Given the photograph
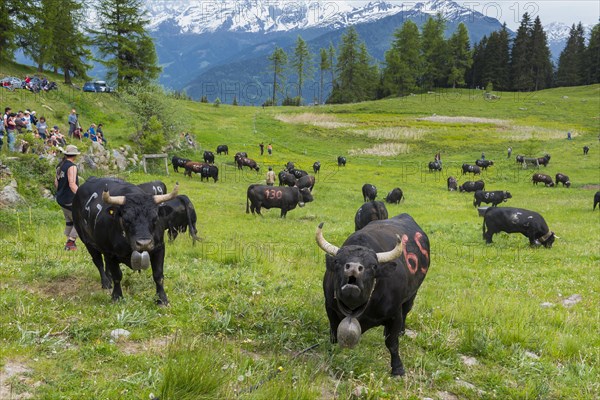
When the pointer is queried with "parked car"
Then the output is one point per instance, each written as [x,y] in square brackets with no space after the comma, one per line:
[89,87]
[11,83]
[97,86]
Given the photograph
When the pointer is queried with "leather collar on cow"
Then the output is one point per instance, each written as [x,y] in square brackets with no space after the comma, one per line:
[357,312]
[547,236]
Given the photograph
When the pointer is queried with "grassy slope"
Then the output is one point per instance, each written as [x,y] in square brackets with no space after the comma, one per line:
[248,297]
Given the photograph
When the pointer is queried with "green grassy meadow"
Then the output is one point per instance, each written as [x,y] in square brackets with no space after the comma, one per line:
[247,300]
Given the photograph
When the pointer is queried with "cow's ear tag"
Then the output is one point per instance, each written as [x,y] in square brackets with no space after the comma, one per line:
[111,211]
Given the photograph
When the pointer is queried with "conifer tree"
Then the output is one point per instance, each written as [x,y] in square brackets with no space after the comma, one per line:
[592,57]
[278,61]
[331,52]
[461,57]
[12,32]
[521,68]
[479,66]
[324,65]
[41,45]
[124,42]
[571,63]
[301,63]
[402,61]
[541,65]
[435,53]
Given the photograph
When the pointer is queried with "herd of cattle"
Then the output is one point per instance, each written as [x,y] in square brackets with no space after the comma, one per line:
[371,280]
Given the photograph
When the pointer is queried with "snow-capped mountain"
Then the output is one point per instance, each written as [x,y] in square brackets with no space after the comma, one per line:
[558,34]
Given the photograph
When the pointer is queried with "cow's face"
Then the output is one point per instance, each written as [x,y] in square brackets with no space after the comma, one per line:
[507,196]
[306,196]
[548,242]
[139,220]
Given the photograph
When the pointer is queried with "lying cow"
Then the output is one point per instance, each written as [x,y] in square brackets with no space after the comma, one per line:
[596,200]
[468,168]
[484,164]
[517,220]
[564,179]
[178,215]
[369,192]
[471,186]
[394,196]
[373,279]
[178,162]
[285,198]
[341,161]
[222,149]
[452,184]
[495,197]
[371,211]
[543,178]
[119,224]
[435,166]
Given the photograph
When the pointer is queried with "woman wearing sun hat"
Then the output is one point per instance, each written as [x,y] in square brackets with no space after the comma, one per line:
[66,183]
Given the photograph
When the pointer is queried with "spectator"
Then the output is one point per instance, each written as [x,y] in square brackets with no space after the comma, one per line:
[482,155]
[20,122]
[34,119]
[27,121]
[42,127]
[11,128]
[60,138]
[270,177]
[66,183]
[2,132]
[92,133]
[100,134]
[262,148]
[509,151]
[270,149]
[73,119]
[569,135]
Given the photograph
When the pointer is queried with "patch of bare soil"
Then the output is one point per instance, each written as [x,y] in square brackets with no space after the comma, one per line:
[383,150]
[591,187]
[321,120]
[65,287]
[14,371]
[393,133]
[155,345]
[464,120]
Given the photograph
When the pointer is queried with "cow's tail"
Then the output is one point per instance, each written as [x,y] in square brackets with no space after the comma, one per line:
[247,204]
[191,214]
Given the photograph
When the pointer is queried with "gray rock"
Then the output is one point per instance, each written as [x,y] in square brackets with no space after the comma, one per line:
[469,361]
[547,304]
[120,160]
[115,334]
[9,196]
[572,300]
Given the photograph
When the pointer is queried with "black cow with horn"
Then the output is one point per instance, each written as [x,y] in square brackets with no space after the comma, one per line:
[371,211]
[373,280]
[517,220]
[119,224]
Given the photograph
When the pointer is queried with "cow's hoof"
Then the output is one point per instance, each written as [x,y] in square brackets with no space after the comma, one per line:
[162,302]
[398,372]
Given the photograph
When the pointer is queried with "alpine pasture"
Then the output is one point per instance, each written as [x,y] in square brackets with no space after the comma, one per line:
[246,302]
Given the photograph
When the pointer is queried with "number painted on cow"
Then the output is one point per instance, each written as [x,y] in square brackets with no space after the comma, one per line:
[272,194]
[410,256]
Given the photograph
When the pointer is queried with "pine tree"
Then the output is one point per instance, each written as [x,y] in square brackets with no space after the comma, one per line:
[541,65]
[301,63]
[122,39]
[521,68]
[324,65]
[278,61]
[435,53]
[571,63]
[12,32]
[476,72]
[592,57]
[41,45]
[332,59]
[461,57]
[402,62]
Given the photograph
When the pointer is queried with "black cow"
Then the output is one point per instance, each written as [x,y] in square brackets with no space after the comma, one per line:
[435,166]
[298,173]
[395,196]
[307,181]
[316,167]
[585,150]
[209,157]
[286,179]
[120,222]
[154,187]
[470,186]
[209,171]
[289,166]
[178,162]
[484,164]
[452,184]
[177,215]
[371,211]
[517,220]
[285,198]
[520,159]
[222,149]
[474,169]
[341,160]
[247,162]
[369,192]
[564,179]
[544,160]
[545,179]
[239,155]
[373,279]
[495,197]
[596,200]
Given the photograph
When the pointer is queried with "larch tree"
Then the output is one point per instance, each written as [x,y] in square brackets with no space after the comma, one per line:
[301,63]
[278,61]
[324,65]
[402,61]
[435,53]
[461,57]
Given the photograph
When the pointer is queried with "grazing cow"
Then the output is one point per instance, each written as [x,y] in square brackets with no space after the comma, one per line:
[371,211]
[178,162]
[517,220]
[209,171]
[177,215]
[341,160]
[520,159]
[307,181]
[544,160]
[373,279]
[286,179]
[154,187]
[435,166]
[316,167]
[545,179]
[470,186]
[119,224]
[239,155]
[596,200]
[495,197]
[285,198]
[564,179]
[395,196]
[222,149]
[474,169]
[195,167]
[298,173]
[452,184]
[369,192]
[247,162]
[585,150]
[484,164]
[209,157]
[289,166]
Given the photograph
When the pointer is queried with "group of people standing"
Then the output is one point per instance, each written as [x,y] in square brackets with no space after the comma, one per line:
[262,148]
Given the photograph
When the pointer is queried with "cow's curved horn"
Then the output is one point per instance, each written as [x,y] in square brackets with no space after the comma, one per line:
[324,244]
[392,254]
[160,198]
[108,199]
